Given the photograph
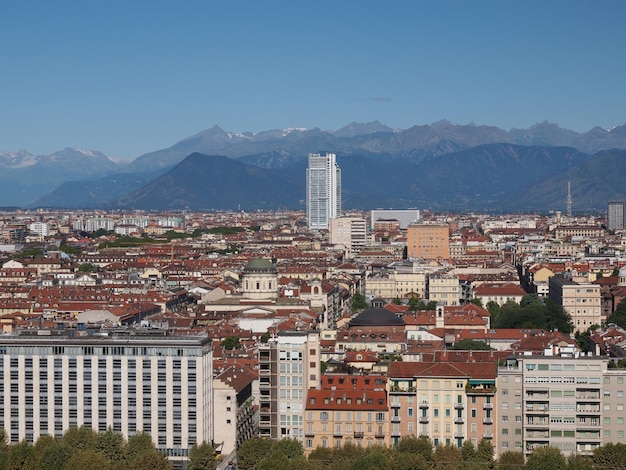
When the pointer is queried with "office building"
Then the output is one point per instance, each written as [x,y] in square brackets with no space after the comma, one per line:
[615,215]
[428,241]
[323,191]
[162,385]
[405,217]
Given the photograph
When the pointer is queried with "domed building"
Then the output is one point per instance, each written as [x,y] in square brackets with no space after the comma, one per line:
[259,279]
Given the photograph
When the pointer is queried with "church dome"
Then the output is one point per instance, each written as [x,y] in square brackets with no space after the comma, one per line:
[260,265]
[376,317]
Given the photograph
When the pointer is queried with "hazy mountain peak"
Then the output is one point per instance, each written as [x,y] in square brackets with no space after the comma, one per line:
[357,128]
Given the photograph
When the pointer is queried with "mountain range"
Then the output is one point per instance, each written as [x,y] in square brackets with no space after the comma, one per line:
[442,166]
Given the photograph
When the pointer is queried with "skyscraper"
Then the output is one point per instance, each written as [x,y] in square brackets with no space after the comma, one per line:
[615,215]
[323,190]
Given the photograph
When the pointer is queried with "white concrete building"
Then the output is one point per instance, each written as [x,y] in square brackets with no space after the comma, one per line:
[323,191]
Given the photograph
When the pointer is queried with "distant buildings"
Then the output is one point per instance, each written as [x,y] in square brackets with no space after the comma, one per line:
[404,216]
[615,215]
[581,300]
[323,191]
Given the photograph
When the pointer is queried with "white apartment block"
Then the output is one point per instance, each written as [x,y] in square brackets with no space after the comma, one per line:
[323,190]
[39,228]
[158,384]
[444,288]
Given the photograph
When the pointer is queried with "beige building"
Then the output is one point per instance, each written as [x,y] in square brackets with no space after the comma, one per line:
[428,241]
[349,233]
[582,301]
[449,402]
[444,288]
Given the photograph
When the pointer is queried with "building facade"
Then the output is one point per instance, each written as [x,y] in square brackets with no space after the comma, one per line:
[288,367]
[615,215]
[583,302]
[323,191]
[350,233]
[161,385]
[428,241]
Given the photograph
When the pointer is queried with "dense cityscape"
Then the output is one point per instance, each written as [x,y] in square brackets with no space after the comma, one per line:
[214,332]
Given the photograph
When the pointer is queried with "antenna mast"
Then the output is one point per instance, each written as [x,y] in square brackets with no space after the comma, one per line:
[569,201]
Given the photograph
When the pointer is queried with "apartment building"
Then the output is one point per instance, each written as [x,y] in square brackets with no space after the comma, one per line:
[428,241]
[574,404]
[158,384]
[444,288]
[347,409]
[582,301]
[288,368]
[447,402]
[349,233]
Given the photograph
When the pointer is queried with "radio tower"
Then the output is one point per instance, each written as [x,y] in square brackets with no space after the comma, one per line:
[569,202]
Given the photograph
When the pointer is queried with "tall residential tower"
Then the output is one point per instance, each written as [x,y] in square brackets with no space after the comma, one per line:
[323,190]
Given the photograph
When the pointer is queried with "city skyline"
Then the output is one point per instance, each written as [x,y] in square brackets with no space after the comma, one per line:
[129,79]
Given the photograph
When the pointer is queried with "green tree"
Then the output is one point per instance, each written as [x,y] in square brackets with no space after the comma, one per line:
[138,444]
[468,451]
[531,300]
[375,459]
[494,312]
[557,318]
[202,457]
[54,456]
[87,268]
[70,250]
[610,456]
[397,301]
[21,456]
[544,458]
[265,337]
[431,306]
[485,451]
[149,460]
[579,462]
[416,445]
[416,304]
[407,460]
[252,451]
[82,438]
[231,342]
[111,445]
[358,302]
[87,459]
[510,460]
[619,314]
[446,457]
[471,344]
[477,301]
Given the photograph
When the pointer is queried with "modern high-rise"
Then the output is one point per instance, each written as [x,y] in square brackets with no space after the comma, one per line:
[323,190]
[615,215]
[155,383]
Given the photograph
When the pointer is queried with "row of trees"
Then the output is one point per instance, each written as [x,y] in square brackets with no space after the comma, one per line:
[84,449]
[531,312]
[413,453]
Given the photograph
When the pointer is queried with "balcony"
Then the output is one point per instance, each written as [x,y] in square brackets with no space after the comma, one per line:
[487,406]
[395,419]
[395,404]
[487,421]
[423,419]
[358,434]
[488,435]
[459,420]
[424,405]
[309,434]
[338,434]
[459,435]
[379,435]
[459,406]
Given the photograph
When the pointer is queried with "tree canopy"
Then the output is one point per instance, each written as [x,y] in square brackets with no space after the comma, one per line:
[531,313]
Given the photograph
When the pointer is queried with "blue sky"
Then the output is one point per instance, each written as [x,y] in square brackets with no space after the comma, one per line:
[129,77]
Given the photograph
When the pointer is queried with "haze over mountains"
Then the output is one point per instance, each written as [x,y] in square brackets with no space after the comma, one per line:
[441,166]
